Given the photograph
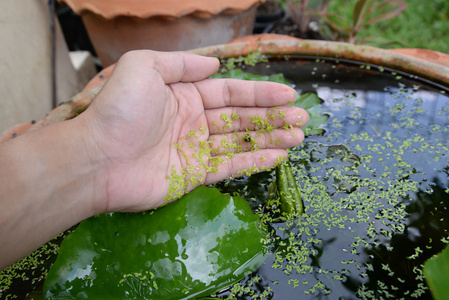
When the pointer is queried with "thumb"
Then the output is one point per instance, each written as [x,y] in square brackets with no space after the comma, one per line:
[172,66]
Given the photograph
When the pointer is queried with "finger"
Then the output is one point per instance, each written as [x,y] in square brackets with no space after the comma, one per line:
[231,119]
[238,142]
[218,93]
[172,66]
[247,163]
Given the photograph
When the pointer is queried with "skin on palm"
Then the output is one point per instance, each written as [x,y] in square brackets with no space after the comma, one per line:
[186,106]
[122,152]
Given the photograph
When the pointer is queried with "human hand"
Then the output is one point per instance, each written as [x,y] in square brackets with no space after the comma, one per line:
[161,128]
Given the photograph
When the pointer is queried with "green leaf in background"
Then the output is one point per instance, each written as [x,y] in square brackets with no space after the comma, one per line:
[312,104]
[436,272]
[192,247]
[359,12]
[309,101]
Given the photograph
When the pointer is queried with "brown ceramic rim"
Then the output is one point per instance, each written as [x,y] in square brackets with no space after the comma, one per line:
[276,47]
[435,69]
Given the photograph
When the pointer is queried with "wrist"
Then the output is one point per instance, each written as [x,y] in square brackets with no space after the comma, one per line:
[67,169]
[89,165]
[50,183]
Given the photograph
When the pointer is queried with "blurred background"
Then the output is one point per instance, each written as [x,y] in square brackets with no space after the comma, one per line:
[49,54]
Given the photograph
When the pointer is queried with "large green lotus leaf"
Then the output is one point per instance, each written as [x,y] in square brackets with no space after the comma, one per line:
[436,272]
[189,248]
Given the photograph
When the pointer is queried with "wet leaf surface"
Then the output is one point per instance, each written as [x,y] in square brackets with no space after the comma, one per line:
[191,247]
[436,271]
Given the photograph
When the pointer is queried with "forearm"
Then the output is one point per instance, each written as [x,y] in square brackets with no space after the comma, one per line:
[48,185]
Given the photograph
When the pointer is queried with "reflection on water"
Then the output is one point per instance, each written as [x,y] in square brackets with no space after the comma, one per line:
[375,186]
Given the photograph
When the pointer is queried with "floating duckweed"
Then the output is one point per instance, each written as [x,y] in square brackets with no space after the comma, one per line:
[228,121]
[248,60]
[191,133]
[366,187]
[178,185]
[245,172]
[372,185]
[17,279]
[192,175]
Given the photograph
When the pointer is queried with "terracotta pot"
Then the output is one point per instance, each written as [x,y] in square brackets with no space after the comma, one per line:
[427,64]
[117,26]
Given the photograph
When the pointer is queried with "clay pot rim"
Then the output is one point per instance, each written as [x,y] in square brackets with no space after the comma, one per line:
[170,9]
[427,64]
[435,69]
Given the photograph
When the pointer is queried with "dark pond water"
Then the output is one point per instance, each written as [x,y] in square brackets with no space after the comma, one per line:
[375,185]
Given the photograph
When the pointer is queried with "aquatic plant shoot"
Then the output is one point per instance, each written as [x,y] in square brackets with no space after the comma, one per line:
[374,185]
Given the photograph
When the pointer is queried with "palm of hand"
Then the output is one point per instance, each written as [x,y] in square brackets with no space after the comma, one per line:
[161,137]
[143,145]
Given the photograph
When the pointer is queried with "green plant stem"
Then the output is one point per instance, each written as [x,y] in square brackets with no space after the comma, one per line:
[290,196]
